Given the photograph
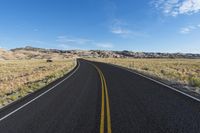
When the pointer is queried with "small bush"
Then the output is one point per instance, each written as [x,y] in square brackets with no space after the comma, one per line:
[194,81]
[145,68]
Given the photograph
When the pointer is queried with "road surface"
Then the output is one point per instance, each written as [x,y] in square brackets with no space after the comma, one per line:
[100,98]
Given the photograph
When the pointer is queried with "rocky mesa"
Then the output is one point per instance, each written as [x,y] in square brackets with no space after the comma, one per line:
[29,52]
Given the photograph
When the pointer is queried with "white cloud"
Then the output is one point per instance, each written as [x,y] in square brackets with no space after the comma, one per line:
[185,30]
[189,29]
[120,31]
[177,7]
[66,42]
[190,6]
[119,27]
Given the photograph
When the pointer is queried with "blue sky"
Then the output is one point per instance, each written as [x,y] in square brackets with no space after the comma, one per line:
[138,25]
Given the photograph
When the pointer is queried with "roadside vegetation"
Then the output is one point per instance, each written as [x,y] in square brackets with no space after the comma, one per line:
[183,71]
[21,77]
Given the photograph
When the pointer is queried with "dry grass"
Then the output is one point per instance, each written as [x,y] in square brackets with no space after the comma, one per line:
[21,77]
[184,71]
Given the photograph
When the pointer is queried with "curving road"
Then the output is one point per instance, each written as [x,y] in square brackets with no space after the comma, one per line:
[100,98]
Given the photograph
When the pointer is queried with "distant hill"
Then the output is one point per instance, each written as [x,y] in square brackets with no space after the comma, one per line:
[41,53]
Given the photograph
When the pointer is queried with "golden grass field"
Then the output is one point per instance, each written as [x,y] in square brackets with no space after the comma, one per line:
[21,77]
[184,71]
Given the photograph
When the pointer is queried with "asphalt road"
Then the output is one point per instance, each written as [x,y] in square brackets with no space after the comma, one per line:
[97,97]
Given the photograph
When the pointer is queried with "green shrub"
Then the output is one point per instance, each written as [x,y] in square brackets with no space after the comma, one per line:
[194,81]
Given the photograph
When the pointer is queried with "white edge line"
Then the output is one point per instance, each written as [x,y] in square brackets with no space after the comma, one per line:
[1,119]
[158,82]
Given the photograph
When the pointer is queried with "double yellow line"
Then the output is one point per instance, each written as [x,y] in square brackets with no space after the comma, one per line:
[104,100]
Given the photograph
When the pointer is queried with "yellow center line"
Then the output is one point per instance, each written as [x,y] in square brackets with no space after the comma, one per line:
[102,106]
[107,107]
[104,96]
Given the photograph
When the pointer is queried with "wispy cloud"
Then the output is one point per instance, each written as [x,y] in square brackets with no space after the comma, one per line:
[117,27]
[72,40]
[66,42]
[120,31]
[185,30]
[120,28]
[189,29]
[35,43]
[177,7]
[105,45]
